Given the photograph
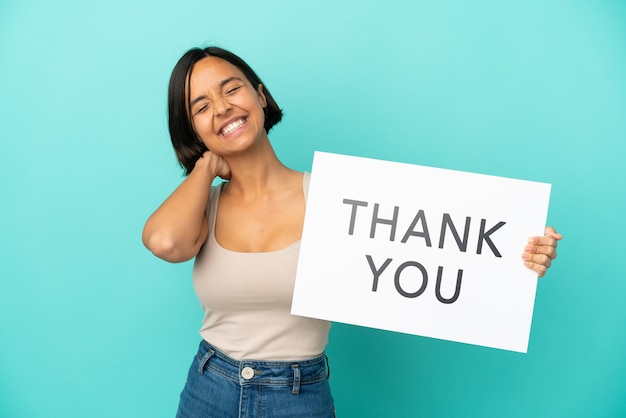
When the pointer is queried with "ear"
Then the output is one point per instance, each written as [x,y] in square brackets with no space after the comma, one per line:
[261,94]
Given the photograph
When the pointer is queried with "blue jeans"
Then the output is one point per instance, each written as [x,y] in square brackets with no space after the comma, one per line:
[221,387]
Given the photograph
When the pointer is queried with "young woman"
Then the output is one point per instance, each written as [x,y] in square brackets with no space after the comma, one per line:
[255,358]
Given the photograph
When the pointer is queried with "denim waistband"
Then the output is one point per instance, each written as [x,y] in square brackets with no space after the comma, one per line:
[270,373]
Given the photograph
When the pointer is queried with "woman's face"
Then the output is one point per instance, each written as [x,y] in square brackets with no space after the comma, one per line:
[226,110]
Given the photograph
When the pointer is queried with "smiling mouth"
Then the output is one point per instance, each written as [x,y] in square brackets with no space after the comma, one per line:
[232,127]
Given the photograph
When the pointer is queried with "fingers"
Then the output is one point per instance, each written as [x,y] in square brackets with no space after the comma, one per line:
[540,269]
[540,251]
[534,261]
[547,248]
[544,245]
[545,241]
[538,262]
[217,164]
[550,238]
[552,232]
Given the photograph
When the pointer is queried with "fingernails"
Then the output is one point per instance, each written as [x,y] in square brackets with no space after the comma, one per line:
[525,256]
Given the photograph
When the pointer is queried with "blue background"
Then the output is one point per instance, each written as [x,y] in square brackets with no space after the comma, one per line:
[92,325]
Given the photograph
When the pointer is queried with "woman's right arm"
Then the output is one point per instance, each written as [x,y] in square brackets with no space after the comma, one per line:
[178,228]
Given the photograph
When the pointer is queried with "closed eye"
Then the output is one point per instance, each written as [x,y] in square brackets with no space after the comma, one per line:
[233,90]
[202,109]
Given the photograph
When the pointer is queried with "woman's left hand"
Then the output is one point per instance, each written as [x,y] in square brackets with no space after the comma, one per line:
[540,251]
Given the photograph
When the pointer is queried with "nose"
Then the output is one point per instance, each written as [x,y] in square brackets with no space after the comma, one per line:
[221,106]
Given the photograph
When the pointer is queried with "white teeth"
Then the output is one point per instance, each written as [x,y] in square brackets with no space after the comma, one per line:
[232,126]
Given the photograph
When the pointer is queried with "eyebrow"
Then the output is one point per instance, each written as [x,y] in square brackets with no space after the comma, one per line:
[222,84]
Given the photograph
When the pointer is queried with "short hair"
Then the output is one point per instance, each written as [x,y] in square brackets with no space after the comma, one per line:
[187,145]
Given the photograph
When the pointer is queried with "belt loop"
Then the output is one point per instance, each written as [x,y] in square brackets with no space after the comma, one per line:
[204,360]
[327,367]
[296,379]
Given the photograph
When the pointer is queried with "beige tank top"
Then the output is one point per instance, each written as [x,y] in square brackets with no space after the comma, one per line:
[246,298]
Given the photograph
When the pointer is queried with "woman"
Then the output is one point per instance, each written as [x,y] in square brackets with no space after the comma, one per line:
[245,235]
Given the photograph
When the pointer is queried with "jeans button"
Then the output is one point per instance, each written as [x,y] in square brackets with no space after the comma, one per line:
[247,373]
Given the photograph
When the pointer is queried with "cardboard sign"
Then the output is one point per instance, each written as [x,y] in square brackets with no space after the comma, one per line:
[419,250]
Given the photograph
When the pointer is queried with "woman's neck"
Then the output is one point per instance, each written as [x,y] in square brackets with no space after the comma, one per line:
[257,173]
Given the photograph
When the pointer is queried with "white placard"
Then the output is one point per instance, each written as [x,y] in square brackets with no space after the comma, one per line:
[419,250]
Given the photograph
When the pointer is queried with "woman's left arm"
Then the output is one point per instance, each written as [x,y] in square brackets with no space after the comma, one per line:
[540,251]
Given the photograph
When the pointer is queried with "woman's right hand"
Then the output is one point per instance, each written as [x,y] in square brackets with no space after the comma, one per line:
[216,165]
